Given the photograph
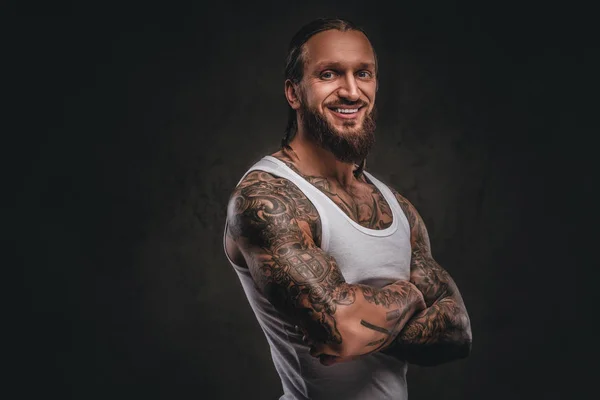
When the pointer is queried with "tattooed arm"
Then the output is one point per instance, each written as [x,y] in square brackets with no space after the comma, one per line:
[442,332]
[269,220]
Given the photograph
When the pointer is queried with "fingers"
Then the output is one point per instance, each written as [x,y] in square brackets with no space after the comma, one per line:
[317,350]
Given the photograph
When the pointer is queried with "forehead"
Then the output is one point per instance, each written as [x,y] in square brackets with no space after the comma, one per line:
[350,47]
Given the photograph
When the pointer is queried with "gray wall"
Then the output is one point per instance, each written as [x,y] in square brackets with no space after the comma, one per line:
[140,119]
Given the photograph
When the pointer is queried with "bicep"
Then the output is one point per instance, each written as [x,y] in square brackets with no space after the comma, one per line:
[434,282]
[425,273]
[296,276]
[286,266]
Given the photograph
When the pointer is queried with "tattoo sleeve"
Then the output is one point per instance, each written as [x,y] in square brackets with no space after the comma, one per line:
[271,221]
[441,332]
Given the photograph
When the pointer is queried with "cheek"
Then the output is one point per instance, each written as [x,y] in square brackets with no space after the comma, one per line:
[321,94]
[370,91]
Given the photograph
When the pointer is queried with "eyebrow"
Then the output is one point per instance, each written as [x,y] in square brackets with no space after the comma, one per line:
[337,65]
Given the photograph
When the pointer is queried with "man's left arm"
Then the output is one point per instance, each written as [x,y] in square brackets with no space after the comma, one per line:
[442,332]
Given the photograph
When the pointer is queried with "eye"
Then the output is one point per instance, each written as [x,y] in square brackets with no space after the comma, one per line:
[365,74]
[327,75]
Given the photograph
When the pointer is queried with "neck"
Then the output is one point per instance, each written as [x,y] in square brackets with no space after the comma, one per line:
[313,160]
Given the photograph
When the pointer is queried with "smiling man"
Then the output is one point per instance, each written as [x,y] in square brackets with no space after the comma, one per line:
[337,266]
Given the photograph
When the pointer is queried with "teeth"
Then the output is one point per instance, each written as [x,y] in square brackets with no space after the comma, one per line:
[346,110]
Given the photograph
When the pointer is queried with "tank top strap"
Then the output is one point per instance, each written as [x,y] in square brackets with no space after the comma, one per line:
[391,200]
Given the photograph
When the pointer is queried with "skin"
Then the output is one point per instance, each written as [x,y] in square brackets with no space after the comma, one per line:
[441,332]
[274,230]
[339,70]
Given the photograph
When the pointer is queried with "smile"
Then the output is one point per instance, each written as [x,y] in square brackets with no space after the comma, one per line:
[345,113]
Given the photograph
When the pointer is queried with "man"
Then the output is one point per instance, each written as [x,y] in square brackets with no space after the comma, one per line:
[336,266]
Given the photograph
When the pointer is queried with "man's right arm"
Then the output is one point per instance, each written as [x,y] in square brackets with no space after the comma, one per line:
[266,218]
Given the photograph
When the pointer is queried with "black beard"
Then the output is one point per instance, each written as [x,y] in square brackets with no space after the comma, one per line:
[351,147]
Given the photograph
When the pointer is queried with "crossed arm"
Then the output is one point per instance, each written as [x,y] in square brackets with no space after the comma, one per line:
[442,331]
[269,219]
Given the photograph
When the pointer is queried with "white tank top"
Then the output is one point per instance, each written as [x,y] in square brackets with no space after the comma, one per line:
[367,256]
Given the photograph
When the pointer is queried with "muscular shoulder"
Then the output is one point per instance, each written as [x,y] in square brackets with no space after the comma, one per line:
[407,207]
[419,238]
[270,198]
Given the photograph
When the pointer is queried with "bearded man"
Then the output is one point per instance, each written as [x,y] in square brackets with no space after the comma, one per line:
[337,266]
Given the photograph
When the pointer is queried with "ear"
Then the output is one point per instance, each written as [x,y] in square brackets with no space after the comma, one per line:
[292,94]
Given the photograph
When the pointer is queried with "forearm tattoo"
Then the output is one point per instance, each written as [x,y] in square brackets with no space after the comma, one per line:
[445,320]
[401,296]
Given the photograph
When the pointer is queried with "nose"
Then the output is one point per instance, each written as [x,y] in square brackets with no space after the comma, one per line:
[349,88]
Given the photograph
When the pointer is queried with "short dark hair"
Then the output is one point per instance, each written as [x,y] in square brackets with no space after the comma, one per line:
[295,60]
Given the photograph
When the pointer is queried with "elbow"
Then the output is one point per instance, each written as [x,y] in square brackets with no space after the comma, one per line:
[463,342]
[467,346]
[467,334]
[464,338]
[461,329]
[455,347]
[464,349]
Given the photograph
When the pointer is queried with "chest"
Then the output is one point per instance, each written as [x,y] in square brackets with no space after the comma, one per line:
[363,202]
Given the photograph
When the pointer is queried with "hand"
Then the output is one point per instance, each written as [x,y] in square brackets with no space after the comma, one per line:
[327,359]
[324,359]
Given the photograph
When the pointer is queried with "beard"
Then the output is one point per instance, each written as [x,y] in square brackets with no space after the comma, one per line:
[348,146]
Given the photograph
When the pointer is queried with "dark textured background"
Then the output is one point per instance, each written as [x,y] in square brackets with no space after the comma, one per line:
[134,121]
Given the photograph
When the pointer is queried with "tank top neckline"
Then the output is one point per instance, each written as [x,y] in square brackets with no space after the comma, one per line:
[372,232]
